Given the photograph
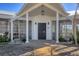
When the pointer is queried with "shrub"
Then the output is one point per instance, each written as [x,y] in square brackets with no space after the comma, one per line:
[61,39]
[4,38]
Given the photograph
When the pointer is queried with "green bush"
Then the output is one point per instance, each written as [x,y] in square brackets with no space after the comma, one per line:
[61,39]
[4,39]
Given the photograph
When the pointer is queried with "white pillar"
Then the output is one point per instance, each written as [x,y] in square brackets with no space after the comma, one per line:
[12,30]
[57,27]
[8,28]
[27,24]
[19,30]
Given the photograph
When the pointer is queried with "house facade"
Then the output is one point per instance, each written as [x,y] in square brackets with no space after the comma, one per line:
[37,21]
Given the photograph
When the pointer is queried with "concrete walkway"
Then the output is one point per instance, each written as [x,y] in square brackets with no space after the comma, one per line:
[28,48]
[20,49]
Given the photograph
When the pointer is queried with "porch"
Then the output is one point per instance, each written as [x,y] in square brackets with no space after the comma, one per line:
[19,30]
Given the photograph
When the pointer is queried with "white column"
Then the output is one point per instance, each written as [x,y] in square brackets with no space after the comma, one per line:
[57,27]
[27,24]
[8,28]
[12,30]
[19,30]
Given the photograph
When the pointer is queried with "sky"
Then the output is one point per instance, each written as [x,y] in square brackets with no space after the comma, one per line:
[69,6]
[12,7]
[15,7]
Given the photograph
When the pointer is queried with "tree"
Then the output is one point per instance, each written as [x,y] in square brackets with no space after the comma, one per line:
[74,25]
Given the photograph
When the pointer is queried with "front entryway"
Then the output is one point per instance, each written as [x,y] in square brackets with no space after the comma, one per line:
[41,31]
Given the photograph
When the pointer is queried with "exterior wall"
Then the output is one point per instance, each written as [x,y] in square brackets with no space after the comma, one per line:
[3,26]
[33,28]
[41,19]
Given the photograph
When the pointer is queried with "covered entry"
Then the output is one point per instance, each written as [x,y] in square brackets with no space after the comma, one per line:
[42,16]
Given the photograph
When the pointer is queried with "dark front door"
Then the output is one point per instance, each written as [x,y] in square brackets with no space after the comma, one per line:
[42,31]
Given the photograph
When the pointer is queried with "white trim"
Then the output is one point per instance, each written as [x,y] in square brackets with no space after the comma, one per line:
[24,5]
[54,9]
[32,8]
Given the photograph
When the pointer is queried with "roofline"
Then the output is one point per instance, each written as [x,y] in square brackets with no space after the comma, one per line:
[7,12]
[64,9]
[24,5]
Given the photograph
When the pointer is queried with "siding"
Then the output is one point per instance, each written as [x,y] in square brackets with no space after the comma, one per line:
[3,26]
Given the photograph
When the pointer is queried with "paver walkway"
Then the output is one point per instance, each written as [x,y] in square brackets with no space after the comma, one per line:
[26,49]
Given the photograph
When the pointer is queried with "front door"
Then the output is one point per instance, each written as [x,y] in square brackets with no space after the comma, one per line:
[42,31]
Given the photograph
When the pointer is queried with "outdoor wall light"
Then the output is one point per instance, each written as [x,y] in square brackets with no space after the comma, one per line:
[35,23]
[48,23]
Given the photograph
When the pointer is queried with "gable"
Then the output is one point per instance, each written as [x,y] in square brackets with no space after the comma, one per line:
[53,6]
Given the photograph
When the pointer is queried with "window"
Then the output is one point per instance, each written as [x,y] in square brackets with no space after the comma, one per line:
[67,29]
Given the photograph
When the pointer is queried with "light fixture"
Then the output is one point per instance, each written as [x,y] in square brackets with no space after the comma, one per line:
[48,23]
[35,23]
